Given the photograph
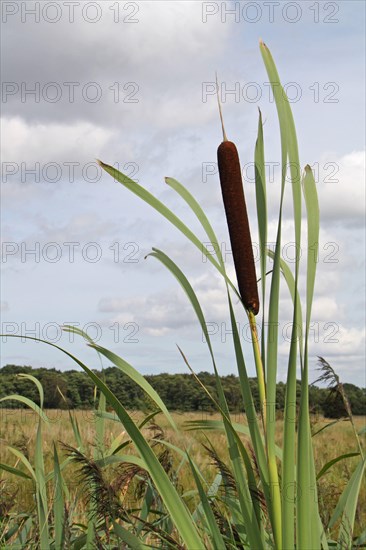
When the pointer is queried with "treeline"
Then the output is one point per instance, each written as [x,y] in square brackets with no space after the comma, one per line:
[74,389]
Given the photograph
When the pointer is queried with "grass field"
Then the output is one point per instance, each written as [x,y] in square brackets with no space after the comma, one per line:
[19,427]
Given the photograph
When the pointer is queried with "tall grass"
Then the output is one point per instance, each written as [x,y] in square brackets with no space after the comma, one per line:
[262,495]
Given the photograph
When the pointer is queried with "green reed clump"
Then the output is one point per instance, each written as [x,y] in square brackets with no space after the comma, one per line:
[262,495]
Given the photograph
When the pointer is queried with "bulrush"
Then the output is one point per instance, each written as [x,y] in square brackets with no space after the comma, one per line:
[237,220]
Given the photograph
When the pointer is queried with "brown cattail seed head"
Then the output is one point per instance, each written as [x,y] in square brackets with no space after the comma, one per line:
[238,224]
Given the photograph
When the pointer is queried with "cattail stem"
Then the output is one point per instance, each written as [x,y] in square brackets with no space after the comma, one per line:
[259,369]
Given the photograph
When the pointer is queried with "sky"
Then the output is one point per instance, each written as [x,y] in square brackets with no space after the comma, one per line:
[132,84]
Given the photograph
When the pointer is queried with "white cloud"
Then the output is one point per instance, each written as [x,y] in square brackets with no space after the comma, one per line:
[167,53]
[342,197]
[170,310]
[51,142]
[326,308]
[344,348]
[156,314]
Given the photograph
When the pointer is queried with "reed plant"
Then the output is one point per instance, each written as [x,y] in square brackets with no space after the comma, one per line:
[263,496]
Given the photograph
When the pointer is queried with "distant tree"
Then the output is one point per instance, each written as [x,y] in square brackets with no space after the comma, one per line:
[333,406]
[51,382]
[356,397]
[178,391]
[15,369]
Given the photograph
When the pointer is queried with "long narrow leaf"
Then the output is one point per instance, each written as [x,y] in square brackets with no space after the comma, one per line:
[164,211]
[129,538]
[307,514]
[26,401]
[37,383]
[201,216]
[346,506]
[177,509]
[261,202]
[41,491]
[14,471]
[58,503]
[236,449]
[331,463]
[136,377]
[216,537]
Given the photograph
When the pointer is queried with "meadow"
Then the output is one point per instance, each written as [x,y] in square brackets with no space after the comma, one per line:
[19,430]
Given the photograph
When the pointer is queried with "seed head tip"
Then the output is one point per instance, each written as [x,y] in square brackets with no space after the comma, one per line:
[220,110]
